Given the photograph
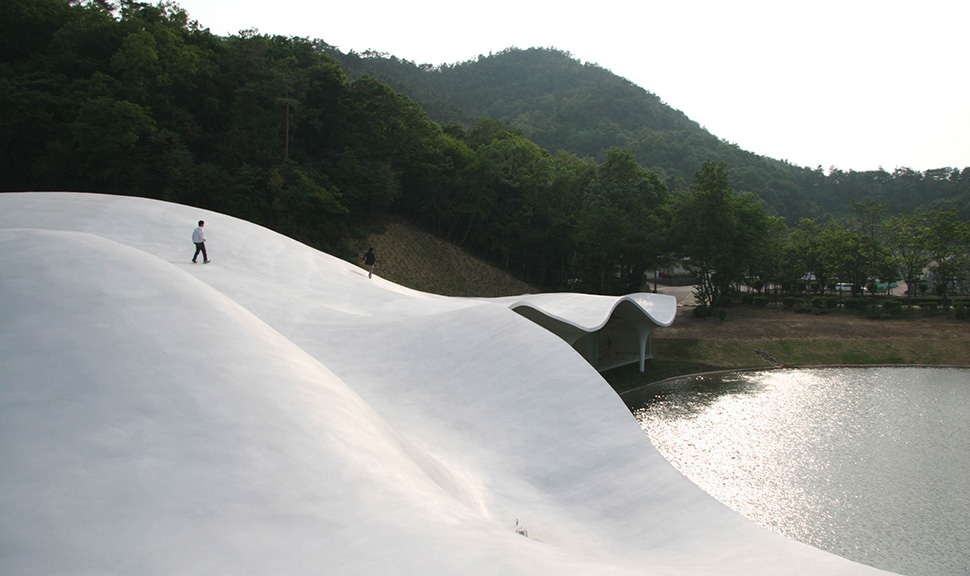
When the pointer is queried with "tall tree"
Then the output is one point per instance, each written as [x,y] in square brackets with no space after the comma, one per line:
[905,242]
[624,221]
[867,221]
[947,243]
[719,232]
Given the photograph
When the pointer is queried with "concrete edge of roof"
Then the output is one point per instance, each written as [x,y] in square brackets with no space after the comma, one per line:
[666,303]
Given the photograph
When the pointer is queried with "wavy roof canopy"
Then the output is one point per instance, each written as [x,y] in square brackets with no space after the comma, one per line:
[584,320]
[279,412]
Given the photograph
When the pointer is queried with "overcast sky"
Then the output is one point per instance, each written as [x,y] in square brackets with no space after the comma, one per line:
[855,84]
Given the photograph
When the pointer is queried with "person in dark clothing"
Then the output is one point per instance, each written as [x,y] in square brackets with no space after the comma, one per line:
[369,260]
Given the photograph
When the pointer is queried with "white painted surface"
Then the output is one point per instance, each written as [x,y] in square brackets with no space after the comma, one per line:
[590,312]
[277,412]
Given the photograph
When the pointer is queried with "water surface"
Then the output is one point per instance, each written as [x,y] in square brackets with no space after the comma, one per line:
[872,464]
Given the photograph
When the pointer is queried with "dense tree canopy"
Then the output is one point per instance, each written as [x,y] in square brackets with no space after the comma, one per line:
[720,232]
[564,104]
[134,98]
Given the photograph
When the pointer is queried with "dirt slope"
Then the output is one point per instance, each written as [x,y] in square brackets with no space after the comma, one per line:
[746,323]
[413,258]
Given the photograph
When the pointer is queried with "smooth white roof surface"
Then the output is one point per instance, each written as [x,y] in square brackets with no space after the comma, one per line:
[277,412]
[590,312]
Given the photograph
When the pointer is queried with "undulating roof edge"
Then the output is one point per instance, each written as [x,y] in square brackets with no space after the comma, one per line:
[590,312]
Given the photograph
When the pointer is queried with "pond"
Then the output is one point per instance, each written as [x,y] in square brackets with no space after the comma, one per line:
[872,464]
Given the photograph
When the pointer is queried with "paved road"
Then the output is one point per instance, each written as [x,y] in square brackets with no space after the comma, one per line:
[684,294]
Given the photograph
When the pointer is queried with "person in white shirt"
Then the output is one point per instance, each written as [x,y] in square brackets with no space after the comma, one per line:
[198,237]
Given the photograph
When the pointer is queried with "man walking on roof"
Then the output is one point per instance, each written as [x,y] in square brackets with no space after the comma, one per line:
[369,260]
[198,237]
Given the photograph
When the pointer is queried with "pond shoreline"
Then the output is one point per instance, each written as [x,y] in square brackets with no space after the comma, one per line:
[753,338]
[799,367]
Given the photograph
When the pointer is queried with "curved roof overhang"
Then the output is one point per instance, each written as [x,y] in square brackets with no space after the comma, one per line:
[572,316]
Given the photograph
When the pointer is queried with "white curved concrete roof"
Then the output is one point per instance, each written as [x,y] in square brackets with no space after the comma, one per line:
[277,412]
[590,312]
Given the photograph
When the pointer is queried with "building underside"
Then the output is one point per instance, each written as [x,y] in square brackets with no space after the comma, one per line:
[608,331]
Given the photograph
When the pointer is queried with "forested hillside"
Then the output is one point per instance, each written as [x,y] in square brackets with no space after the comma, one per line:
[555,171]
[563,104]
[558,102]
[137,99]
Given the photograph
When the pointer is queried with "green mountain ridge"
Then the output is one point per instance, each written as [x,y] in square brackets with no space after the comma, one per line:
[561,103]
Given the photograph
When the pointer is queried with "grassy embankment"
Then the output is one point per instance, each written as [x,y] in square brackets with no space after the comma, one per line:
[413,258]
[778,337]
[748,338]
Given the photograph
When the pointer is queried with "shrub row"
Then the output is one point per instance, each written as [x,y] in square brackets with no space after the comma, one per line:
[818,304]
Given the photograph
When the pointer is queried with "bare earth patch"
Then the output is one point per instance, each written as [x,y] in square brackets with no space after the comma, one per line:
[756,338]
[771,323]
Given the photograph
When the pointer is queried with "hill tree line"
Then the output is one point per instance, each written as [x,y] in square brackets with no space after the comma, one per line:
[138,99]
[561,103]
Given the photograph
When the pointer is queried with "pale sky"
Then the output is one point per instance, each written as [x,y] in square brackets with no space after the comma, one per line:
[856,84]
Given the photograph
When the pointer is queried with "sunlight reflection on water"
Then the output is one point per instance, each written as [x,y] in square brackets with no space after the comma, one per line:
[870,463]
